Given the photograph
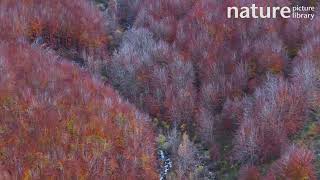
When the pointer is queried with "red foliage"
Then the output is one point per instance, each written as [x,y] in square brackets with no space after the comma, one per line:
[229,89]
[249,173]
[230,59]
[56,121]
[223,63]
[296,163]
[183,62]
[72,23]
[211,39]
[161,17]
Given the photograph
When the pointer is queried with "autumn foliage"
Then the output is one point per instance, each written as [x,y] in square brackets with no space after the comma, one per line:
[228,93]
[276,112]
[59,122]
[143,71]
[69,24]
[296,163]
[249,173]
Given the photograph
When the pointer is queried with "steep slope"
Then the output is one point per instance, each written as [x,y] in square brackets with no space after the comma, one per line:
[57,121]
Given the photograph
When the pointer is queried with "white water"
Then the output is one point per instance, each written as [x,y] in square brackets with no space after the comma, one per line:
[165,164]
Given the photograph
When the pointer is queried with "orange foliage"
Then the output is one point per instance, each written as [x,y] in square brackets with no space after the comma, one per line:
[56,121]
[295,164]
[72,23]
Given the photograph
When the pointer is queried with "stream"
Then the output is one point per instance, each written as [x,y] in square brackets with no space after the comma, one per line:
[165,164]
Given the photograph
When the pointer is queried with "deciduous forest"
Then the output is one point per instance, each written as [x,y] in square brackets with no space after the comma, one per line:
[157,89]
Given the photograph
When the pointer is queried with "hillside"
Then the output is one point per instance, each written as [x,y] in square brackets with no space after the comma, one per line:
[149,89]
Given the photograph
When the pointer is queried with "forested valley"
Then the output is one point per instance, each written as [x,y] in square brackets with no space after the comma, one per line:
[157,89]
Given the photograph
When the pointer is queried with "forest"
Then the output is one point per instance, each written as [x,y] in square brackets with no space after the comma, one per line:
[158,89]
